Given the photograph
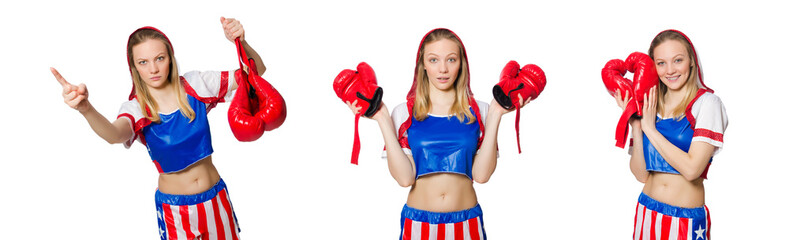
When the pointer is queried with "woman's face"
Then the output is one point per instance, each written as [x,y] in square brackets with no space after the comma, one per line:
[442,62]
[152,62]
[673,64]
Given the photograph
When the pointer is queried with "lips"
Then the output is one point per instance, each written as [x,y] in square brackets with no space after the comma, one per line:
[443,79]
[156,78]
[674,78]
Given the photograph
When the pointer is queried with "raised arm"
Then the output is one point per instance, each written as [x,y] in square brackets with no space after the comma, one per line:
[637,165]
[233,29]
[76,97]
[401,165]
[689,164]
[485,160]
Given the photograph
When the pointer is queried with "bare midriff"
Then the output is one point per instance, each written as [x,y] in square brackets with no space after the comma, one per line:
[194,179]
[675,190]
[442,192]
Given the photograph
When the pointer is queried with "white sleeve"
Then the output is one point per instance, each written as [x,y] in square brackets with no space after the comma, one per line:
[132,111]
[483,111]
[399,115]
[711,120]
[210,87]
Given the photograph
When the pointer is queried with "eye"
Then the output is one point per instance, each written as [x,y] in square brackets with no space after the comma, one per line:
[160,58]
[452,60]
[142,62]
[660,63]
[432,60]
[678,60]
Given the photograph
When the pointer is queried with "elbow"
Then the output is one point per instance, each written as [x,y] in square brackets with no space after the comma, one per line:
[693,172]
[642,178]
[113,140]
[640,174]
[405,182]
[482,180]
[692,176]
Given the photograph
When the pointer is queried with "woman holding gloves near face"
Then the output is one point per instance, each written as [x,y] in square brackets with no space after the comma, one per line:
[673,143]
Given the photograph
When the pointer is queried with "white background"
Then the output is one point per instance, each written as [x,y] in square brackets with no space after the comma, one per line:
[62,181]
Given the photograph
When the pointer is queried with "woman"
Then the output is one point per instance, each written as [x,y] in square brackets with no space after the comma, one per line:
[167,113]
[673,143]
[439,141]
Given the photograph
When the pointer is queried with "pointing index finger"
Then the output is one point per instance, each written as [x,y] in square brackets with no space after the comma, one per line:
[60,78]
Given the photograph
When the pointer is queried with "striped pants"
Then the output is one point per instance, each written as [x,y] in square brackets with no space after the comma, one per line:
[659,221]
[418,224]
[208,215]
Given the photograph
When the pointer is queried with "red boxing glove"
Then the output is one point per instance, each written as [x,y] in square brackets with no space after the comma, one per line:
[361,85]
[243,123]
[257,106]
[528,82]
[272,109]
[645,77]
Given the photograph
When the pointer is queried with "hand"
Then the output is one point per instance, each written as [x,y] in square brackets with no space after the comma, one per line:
[622,103]
[75,97]
[354,109]
[649,110]
[382,111]
[233,29]
[496,108]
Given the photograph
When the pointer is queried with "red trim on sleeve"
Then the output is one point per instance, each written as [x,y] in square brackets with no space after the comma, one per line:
[223,82]
[137,126]
[689,112]
[701,132]
[209,101]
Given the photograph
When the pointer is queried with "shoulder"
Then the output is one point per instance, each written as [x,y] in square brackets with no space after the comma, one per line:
[131,109]
[708,98]
[707,102]
[399,115]
[483,106]
[400,110]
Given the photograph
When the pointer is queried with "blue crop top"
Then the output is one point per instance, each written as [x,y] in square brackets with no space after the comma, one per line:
[705,120]
[443,144]
[680,133]
[175,143]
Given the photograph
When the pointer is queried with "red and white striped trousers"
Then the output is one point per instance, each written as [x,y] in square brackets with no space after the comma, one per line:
[659,221]
[207,216]
[424,225]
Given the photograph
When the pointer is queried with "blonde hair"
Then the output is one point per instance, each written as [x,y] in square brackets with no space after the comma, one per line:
[693,88]
[141,89]
[460,107]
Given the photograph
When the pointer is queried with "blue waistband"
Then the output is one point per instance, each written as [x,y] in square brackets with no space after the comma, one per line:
[438,218]
[665,209]
[180,200]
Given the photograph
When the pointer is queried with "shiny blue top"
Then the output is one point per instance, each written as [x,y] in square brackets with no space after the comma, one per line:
[175,143]
[679,133]
[443,144]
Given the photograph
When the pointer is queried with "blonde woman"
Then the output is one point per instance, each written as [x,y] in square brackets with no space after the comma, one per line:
[439,142]
[673,144]
[166,112]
